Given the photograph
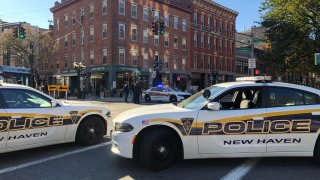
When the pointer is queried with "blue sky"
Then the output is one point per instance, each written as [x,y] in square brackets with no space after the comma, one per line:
[37,12]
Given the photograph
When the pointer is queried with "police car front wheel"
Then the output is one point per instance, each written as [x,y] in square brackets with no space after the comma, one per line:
[90,131]
[158,150]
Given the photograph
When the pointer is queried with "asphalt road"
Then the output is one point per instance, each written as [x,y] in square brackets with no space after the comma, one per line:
[70,161]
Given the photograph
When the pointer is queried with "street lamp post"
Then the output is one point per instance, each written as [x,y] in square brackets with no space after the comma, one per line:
[79,67]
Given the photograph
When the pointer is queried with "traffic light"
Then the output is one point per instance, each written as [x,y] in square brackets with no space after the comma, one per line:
[22,33]
[257,72]
[162,31]
[155,28]
[15,32]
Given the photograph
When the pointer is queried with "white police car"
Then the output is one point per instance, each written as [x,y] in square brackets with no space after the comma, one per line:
[253,117]
[164,94]
[30,118]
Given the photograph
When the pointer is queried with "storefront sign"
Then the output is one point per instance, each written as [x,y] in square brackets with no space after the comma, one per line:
[14,69]
[124,68]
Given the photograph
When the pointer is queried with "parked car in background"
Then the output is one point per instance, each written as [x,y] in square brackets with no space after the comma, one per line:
[164,94]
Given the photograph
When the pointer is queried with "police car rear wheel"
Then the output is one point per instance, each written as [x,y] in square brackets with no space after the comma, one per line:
[147,98]
[158,150]
[90,131]
[173,99]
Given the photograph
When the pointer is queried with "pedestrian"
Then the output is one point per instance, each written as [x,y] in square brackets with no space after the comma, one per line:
[45,88]
[137,93]
[125,91]
[97,91]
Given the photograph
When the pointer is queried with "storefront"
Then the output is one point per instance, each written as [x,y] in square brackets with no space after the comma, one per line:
[13,74]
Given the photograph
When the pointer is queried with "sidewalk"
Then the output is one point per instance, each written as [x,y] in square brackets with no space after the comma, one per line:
[108,99]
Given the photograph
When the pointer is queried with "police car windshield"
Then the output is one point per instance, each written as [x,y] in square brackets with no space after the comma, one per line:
[197,99]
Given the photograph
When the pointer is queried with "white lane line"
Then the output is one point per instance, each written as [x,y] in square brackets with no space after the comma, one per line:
[32,163]
[240,171]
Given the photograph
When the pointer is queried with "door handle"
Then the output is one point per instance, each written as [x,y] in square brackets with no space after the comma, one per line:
[16,117]
[258,118]
[315,113]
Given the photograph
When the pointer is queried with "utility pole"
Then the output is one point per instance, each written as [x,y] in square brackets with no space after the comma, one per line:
[252,54]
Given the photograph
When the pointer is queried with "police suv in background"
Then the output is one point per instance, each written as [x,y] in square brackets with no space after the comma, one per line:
[253,117]
[30,118]
[164,94]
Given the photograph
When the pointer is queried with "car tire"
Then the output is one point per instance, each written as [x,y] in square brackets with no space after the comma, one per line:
[173,99]
[158,150]
[147,98]
[316,153]
[90,131]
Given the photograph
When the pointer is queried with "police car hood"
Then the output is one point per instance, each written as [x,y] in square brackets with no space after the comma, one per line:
[148,110]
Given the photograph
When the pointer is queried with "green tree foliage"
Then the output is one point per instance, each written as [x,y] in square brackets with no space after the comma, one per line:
[294,34]
[35,49]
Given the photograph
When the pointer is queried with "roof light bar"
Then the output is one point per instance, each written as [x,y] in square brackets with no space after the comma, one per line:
[254,78]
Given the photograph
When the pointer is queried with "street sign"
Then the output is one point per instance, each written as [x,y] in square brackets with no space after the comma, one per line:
[52,87]
[154,74]
[317,59]
[63,88]
[252,63]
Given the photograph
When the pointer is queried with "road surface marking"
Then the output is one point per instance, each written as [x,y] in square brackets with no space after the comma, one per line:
[240,171]
[32,163]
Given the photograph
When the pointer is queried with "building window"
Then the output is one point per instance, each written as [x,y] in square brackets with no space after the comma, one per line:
[65,61]
[122,6]
[215,25]
[134,34]
[202,40]
[134,11]
[176,22]
[66,20]
[122,31]
[195,39]
[184,44]
[195,18]
[226,28]
[214,62]
[82,15]
[104,31]
[73,38]
[146,59]
[91,11]
[220,63]
[215,44]
[175,42]
[202,21]
[209,62]
[166,61]
[156,40]
[146,14]
[231,47]
[226,46]
[104,55]
[166,20]
[145,36]
[231,30]
[195,62]
[175,63]
[209,42]
[184,63]
[66,41]
[134,59]
[156,15]
[184,25]
[209,23]
[57,24]
[122,56]
[104,6]
[166,40]
[91,57]
[221,27]
[220,45]
[202,60]
[226,64]
[91,34]
[73,17]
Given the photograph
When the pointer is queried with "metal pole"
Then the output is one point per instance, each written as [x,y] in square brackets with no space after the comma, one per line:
[252,54]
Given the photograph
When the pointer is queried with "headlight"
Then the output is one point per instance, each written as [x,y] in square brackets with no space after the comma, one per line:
[123,127]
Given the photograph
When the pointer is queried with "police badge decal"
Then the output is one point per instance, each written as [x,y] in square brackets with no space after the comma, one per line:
[74,116]
[187,124]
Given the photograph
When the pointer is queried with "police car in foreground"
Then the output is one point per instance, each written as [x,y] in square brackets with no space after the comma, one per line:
[30,118]
[164,94]
[253,117]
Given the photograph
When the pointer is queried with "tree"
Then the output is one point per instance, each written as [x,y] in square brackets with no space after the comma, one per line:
[35,49]
[293,31]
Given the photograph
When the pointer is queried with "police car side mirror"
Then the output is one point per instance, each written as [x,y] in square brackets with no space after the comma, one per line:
[214,106]
[54,103]
[206,93]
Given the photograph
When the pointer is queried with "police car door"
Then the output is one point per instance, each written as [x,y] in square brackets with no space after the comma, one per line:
[154,94]
[3,127]
[238,126]
[293,117]
[32,119]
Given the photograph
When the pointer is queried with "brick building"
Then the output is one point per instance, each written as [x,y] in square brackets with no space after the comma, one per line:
[119,45]
[213,42]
